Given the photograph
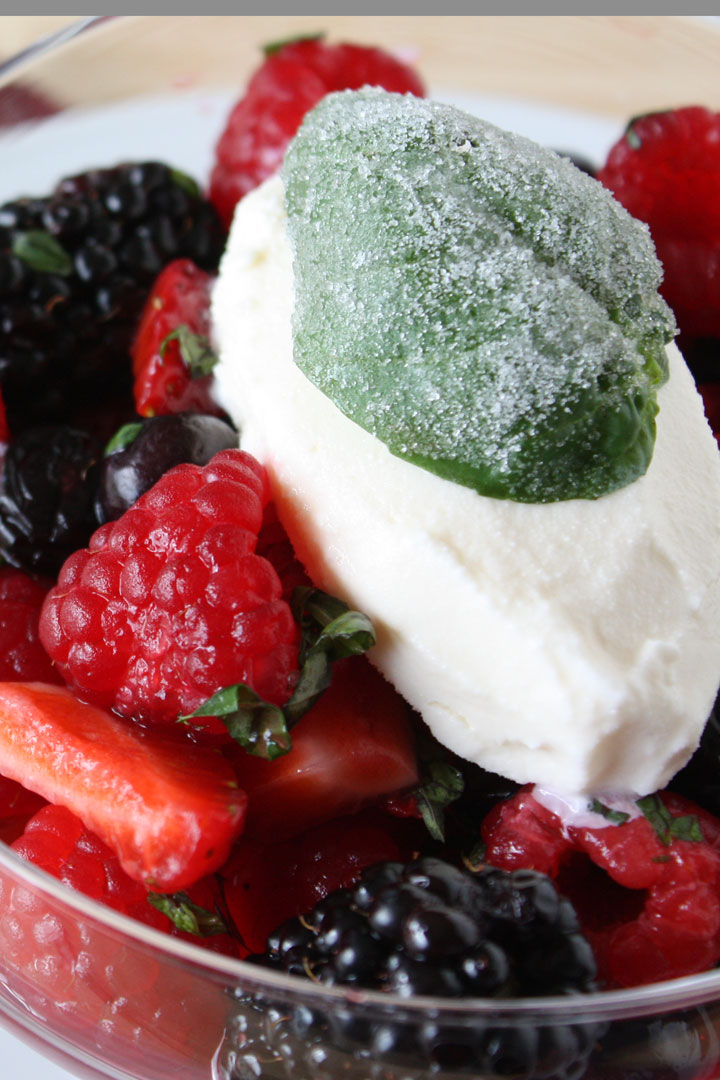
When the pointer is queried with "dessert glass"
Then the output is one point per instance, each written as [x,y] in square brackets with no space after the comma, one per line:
[109,997]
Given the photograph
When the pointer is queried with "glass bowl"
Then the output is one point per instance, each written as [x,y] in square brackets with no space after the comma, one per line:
[110,997]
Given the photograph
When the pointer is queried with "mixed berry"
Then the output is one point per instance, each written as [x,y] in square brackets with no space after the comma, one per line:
[160,636]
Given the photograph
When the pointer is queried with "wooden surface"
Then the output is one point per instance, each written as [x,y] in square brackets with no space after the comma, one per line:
[610,64]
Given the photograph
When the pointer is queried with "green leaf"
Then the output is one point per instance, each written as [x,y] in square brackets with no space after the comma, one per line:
[486,332]
[186,915]
[275,46]
[189,186]
[195,349]
[330,631]
[123,437]
[617,817]
[41,251]
[442,785]
[258,726]
[475,858]
[328,625]
[667,827]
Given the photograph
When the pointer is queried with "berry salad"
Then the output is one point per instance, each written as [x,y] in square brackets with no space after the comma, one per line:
[360,537]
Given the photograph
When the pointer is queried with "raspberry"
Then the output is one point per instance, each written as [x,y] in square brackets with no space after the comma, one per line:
[289,83]
[17,805]
[666,171]
[58,842]
[267,883]
[167,380]
[22,657]
[76,976]
[169,604]
[648,903]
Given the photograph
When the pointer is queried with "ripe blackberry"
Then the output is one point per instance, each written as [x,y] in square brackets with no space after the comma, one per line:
[47,495]
[423,928]
[75,269]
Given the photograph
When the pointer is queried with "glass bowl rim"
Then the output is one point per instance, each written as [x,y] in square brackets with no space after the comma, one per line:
[673,994]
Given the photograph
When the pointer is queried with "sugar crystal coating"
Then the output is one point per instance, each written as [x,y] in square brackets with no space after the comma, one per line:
[474,301]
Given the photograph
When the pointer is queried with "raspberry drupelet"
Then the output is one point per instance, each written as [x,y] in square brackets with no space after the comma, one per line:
[170,603]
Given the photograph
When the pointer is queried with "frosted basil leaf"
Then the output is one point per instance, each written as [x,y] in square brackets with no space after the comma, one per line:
[473,300]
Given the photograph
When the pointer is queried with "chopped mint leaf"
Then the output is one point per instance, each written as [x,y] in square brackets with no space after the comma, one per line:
[328,625]
[275,46]
[41,251]
[189,186]
[258,726]
[196,351]
[187,916]
[123,437]
[330,631]
[442,785]
[617,817]
[503,327]
[475,858]
[667,827]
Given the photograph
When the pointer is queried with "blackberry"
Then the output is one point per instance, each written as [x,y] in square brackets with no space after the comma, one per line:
[425,928]
[75,269]
[149,449]
[47,495]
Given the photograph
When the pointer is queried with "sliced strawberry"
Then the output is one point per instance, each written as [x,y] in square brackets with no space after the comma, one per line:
[265,884]
[354,746]
[170,812]
[168,376]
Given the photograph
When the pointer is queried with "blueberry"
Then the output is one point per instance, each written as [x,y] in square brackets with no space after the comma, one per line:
[160,443]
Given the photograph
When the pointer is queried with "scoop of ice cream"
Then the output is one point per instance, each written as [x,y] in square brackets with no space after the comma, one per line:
[574,644]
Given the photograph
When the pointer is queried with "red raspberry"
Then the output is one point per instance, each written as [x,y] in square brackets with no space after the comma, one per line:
[76,975]
[289,83]
[170,604]
[265,884]
[666,171]
[651,908]
[165,382]
[22,657]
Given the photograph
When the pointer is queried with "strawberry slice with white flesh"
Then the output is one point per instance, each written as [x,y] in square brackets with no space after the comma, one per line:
[170,811]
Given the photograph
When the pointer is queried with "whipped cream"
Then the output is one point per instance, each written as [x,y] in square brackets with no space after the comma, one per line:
[575,645]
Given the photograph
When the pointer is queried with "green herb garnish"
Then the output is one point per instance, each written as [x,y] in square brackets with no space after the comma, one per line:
[124,436]
[187,916]
[41,251]
[330,631]
[617,817]
[195,349]
[667,827]
[472,300]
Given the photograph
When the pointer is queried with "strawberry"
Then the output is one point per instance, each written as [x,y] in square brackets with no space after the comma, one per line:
[292,79]
[170,812]
[172,373]
[354,746]
[666,171]
[646,889]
